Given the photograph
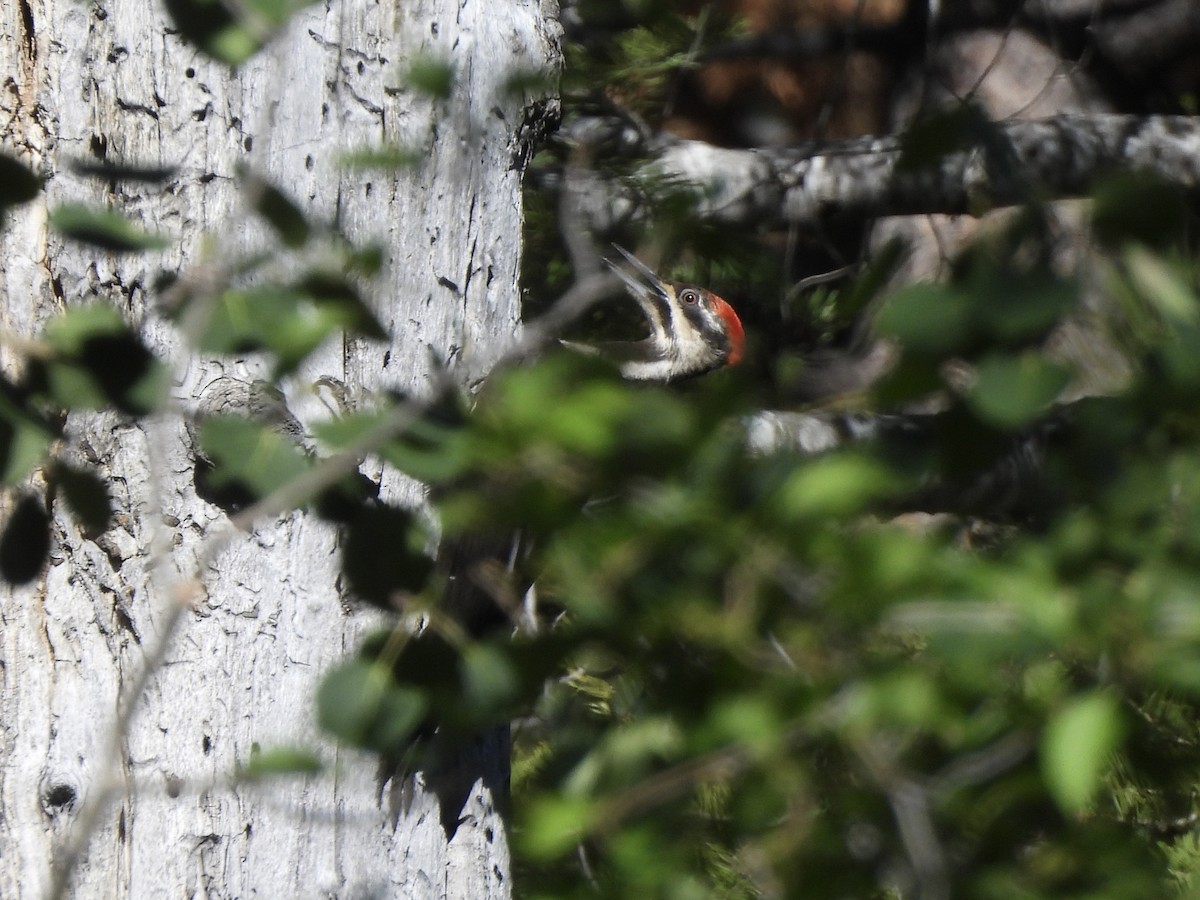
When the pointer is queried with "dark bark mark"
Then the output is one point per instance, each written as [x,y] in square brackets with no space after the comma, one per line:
[126,106]
[58,797]
[539,120]
[125,622]
[27,26]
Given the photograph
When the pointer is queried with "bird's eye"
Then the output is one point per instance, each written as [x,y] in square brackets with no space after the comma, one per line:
[690,296]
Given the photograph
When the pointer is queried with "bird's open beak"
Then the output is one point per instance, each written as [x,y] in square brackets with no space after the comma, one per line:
[639,278]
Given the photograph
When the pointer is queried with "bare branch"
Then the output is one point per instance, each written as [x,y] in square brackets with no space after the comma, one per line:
[1049,158]
[912,809]
[1011,484]
[109,782]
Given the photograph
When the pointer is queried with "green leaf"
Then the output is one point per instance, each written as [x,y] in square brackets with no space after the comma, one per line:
[627,753]
[1010,391]
[430,449]
[245,320]
[130,376]
[25,542]
[432,77]
[102,362]
[554,826]
[86,496]
[903,698]
[104,229]
[928,141]
[335,290]
[27,442]
[927,318]
[17,184]
[591,419]
[284,216]
[881,269]
[280,761]
[212,26]
[748,718]
[430,462]
[118,171]
[25,436]
[490,678]
[250,454]
[234,45]
[271,318]
[338,434]
[537,82]
[271,13]
[205,24]
[1017,308]
[833,486]
[913,377]
[366,260]
[287,321]
[361,704]
[383,556]
[383,158]
[349,699]
[1138,206]
[1077,746]
[1163,285]
[69,332]
[70,387]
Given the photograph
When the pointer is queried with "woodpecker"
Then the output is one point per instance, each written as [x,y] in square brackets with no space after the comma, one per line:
[692,330]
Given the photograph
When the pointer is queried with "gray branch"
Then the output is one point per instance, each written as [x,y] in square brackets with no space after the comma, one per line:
[865,177]
[1009,482]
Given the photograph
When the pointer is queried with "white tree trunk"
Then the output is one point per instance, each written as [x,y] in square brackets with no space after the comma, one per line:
[80,79]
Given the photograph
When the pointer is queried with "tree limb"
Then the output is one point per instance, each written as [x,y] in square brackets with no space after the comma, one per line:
[1011,162]
[1008,480]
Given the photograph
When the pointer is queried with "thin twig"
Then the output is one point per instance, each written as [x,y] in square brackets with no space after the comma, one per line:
[102,794]
[910,803]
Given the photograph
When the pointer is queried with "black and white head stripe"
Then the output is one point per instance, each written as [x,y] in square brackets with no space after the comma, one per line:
[692,330]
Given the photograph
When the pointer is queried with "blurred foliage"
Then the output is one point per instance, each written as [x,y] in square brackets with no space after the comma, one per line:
[231,33]
[766,687]
[432,77]
[284,304]
[769,687]
[17,184]
[104,229]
